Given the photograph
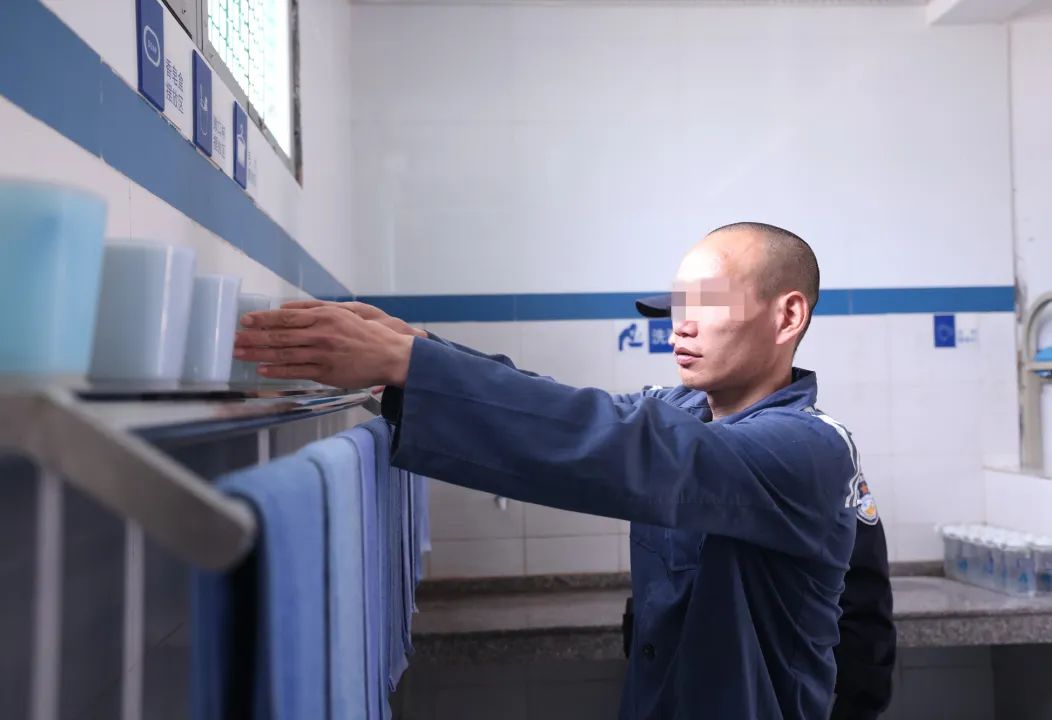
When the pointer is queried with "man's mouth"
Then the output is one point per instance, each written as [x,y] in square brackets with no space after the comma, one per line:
[685,357]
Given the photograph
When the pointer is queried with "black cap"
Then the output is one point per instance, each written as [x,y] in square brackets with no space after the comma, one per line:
[655,306]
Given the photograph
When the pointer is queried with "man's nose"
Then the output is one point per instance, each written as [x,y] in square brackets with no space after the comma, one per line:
[685,328]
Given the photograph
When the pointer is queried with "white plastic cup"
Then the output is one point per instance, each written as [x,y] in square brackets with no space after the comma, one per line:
[241,372]
[210,339]
[144,312]
[51,241]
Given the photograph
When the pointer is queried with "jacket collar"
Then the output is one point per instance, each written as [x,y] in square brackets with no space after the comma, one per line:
[801,393]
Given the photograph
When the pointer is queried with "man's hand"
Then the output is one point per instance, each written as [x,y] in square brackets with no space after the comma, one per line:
[325,343]
[365,312]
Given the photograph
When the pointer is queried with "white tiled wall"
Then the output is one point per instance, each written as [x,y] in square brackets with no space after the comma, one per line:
[477,558]
[1019,500]
[1031,53]
[133,212]
[578,146]
[572,554]
[317,214]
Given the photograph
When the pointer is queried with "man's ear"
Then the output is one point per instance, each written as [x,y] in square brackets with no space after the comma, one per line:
[793,315]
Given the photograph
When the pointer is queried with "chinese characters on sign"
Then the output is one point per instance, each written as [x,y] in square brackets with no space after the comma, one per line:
[173,85]
[660,335]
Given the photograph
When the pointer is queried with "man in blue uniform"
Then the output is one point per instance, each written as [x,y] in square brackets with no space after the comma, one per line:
[742,495]
[865,656]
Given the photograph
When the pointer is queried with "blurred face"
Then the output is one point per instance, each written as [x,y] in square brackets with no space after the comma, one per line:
[724,336]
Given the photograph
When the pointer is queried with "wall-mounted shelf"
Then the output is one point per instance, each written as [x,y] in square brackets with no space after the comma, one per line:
[99,439]
[202,413]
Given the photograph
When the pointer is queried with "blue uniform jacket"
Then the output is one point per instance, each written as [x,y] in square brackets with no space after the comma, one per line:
[742,528]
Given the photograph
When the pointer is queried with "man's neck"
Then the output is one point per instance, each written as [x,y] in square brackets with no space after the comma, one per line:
[733,400]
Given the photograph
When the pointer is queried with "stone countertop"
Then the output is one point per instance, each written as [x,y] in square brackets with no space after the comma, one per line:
[586,623]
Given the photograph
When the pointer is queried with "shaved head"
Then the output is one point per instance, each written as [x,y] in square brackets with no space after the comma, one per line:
[786,263]
[742,300]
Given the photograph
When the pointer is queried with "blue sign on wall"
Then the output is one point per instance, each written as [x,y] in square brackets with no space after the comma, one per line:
[202,104]
[150,17]
[240,145]
[659,333]
[629,338]
[945,331]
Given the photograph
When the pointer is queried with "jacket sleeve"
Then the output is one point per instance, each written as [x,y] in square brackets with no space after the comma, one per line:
[779,479]
[502,359]
[629,398]
[865,657]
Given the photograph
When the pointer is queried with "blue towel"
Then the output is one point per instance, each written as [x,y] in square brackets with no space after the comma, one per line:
[416,557]
[423,490]
[341,470]
[266,618]
[408,561]
[391,511]
[375,648]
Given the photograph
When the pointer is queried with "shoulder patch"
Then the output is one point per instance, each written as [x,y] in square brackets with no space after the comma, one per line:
[865,505]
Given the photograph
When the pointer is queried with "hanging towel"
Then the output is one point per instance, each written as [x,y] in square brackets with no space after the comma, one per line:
[408,580]
[259,648]
[341,470]
[414,528]
[388,489]
[422,494]
[374,583]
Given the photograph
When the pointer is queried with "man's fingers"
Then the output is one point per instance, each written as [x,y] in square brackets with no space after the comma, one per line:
[247,339]
[284,318]
[304,304]
[292,372]
[366,312]
[281,356]
[400,326]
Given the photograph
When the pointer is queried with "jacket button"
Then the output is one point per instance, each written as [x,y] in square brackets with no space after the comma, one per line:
[648,651]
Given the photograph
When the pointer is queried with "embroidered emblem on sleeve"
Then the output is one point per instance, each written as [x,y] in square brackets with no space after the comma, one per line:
[866,506]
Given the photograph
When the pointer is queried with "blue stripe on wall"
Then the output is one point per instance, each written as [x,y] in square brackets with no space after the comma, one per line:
[609,306]
[57,78]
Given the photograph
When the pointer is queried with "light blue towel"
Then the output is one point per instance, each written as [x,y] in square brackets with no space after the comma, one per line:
[279,593]
[423,489]
[391,533]
[341,470]
[414,529]
[408,561]
[375,648]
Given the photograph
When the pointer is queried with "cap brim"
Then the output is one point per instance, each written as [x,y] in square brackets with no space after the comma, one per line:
[655,306]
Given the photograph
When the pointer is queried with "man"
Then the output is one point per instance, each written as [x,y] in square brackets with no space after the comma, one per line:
[865,656]
[742,495]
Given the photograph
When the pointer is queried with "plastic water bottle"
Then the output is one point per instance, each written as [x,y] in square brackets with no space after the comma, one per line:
[1042,549]
[954,566]
[1019,566]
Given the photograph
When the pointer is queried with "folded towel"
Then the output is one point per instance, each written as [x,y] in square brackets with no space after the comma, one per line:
[259,645]
[342,469]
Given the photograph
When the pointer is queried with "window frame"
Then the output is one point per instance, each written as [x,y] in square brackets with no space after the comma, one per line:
[193,16]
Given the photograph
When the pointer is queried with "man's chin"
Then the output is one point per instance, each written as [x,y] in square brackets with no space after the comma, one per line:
[692,379]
